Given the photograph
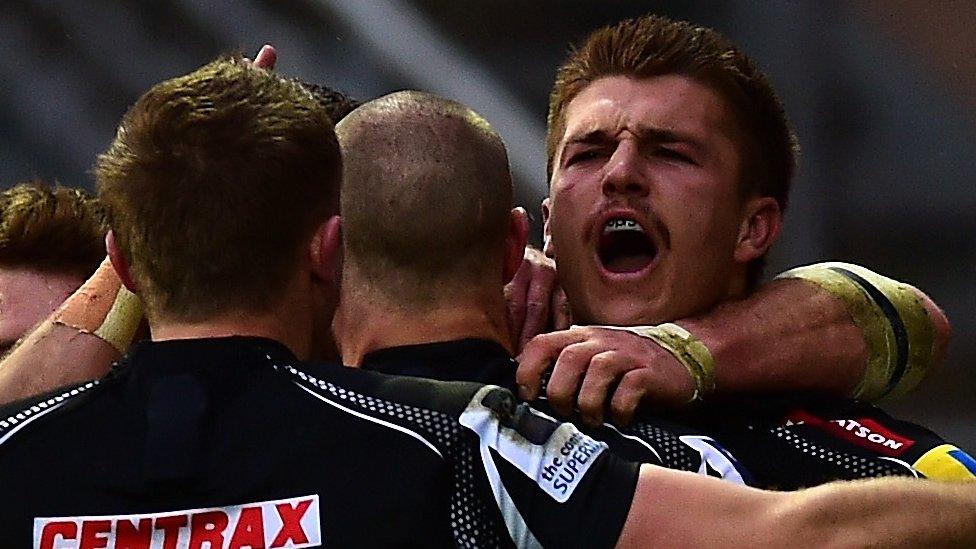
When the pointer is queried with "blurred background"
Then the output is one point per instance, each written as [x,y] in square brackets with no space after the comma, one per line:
[882,94]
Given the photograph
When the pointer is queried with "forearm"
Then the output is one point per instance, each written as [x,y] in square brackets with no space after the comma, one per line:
[904,331]
[78,342]
[831,327]
[879,513]
[52,356]
[679,509]
[788,336]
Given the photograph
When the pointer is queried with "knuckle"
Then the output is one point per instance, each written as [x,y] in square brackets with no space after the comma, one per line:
[604,362]
[631,387]
[570,354]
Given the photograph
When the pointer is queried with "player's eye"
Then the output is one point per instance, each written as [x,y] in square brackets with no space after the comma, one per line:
[671,154]
[583,156]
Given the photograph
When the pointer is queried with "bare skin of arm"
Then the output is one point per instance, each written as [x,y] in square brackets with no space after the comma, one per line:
[790,335]
[78,342]
[53,356]
[680,509]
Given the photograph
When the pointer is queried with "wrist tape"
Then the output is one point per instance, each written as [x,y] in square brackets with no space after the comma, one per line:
[686,349]
[104,308]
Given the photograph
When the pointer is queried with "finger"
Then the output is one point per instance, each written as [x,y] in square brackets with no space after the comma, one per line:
[537,303]
[605,368]
[536,357]
[266,58]
[516,294]
[567,375]
[627,397]
[561,316]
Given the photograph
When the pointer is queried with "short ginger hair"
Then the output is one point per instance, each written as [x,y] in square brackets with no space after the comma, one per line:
[652,46]
[57,230]
[212,184]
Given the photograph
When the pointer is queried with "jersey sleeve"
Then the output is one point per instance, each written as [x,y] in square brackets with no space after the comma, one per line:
[552,484]
[869,429]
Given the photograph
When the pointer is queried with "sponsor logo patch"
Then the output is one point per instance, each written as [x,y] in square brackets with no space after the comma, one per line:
[286,523]
[946,462]
[556,462]
[864,432]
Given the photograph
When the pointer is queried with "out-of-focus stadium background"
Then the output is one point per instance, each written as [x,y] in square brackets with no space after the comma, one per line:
[882,93]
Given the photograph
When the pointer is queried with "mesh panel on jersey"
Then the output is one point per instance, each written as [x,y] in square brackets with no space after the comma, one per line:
[674,453]
[860,466]
[473,521]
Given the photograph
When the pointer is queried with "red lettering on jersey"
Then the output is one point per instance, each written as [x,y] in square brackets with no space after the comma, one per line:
[90,534]
[130,536]
[864,432]
[171,527]
[53,530]
[291,523]
[249,531]
[208,527]
[295,522]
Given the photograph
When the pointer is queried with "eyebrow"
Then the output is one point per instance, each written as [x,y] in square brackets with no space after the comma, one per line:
[657,135]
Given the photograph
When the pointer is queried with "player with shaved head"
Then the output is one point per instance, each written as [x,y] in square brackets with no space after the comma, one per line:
[431,234]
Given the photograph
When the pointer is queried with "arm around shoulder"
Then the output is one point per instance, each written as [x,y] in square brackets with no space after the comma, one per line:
[830,327]
[905,332]
[78,342]
[678,509]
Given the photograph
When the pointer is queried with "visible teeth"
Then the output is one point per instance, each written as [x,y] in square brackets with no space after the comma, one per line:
[615,225]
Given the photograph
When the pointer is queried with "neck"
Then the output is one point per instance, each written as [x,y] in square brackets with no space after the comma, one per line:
[291,322]
[365,322]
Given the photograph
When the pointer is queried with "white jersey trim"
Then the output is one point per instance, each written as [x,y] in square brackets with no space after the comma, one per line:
[28,415]
[378,421]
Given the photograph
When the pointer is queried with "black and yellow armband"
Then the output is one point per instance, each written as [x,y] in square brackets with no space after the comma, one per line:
[897,329]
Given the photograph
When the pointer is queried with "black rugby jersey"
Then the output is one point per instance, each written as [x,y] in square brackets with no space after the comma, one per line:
[232,442]
[797,441]
[472,359]
[769,441]
[654,440]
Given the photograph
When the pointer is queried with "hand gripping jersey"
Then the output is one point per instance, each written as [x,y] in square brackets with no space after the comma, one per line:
[234,443]
[779,442]
[652,440]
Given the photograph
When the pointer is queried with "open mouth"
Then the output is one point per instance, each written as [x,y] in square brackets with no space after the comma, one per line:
[625,247]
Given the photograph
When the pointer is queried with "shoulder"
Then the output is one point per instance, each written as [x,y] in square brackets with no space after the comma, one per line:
[21,414]
[446,397]
[429,411]
[870,429]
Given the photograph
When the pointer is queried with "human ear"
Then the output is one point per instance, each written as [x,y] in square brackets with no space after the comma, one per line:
[761,225]
[518,236]
[325,250]
[548,247]
[119,262]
